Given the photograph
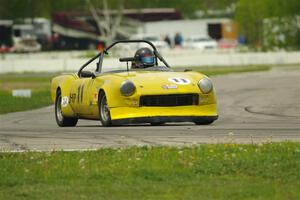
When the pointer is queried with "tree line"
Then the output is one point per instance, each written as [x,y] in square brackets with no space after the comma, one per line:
[270,23]
[13,9]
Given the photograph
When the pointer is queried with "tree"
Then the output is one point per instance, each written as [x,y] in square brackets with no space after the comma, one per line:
[269,23]
[18,9]
[108,26]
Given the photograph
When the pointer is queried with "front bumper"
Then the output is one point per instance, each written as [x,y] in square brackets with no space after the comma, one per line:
[203,119]
[196,113]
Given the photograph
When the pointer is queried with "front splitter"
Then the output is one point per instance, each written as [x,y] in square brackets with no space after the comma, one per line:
[164,119]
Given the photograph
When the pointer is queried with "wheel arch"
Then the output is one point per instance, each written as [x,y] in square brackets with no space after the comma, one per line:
[58,89]
[101,90]
[107,120]
[109,92]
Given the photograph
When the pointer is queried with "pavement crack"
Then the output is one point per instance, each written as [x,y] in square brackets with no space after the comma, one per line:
[14,145]
[250,110]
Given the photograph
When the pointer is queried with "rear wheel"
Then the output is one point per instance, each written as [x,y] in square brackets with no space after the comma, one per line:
[104,112]
[60,119]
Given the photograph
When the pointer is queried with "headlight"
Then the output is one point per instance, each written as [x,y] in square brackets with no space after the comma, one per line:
[205,85]
[127,88]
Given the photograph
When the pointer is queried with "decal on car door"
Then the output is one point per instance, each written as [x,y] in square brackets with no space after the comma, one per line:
[72,97]
[64,101]
[79,94]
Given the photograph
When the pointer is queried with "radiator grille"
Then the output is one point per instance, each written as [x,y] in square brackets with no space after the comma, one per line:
[169,100]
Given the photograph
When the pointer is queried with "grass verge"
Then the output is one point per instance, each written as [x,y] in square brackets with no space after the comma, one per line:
[38,83]
[222,171]
[8,103]
[222,70]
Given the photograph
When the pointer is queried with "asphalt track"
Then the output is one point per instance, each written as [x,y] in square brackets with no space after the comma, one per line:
[253,108]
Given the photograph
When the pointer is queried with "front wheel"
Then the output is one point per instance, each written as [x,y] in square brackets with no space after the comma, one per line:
[205,122]
[60,119]
[104,112]
[157,123]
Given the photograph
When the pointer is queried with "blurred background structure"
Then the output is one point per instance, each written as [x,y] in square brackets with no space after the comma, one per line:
[259,25]
[187,32]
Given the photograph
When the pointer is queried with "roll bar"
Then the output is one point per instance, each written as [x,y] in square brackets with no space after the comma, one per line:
[131,41]
[105,51]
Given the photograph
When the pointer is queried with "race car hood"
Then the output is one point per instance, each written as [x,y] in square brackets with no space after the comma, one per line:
[149,83]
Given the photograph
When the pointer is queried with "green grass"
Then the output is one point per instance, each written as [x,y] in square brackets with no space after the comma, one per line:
[223,171]
[26,78]
[222,70]
[8,103]
[38,83]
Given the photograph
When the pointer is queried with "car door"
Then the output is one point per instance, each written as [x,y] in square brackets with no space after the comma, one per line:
[86,96]
[79,95]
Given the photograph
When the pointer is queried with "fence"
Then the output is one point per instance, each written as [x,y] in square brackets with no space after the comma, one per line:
[176,58]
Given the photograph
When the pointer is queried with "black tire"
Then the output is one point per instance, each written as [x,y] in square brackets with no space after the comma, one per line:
[60,119]
[157,123]
[205,122]
[104,112]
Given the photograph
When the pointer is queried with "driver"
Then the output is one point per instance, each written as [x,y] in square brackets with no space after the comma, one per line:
[143,58]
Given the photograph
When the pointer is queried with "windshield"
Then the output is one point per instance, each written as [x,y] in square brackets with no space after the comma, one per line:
[156,68]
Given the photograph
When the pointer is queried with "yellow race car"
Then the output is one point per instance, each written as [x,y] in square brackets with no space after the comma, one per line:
[144,92]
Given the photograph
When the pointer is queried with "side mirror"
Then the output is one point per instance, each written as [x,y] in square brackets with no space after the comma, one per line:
[87,74]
